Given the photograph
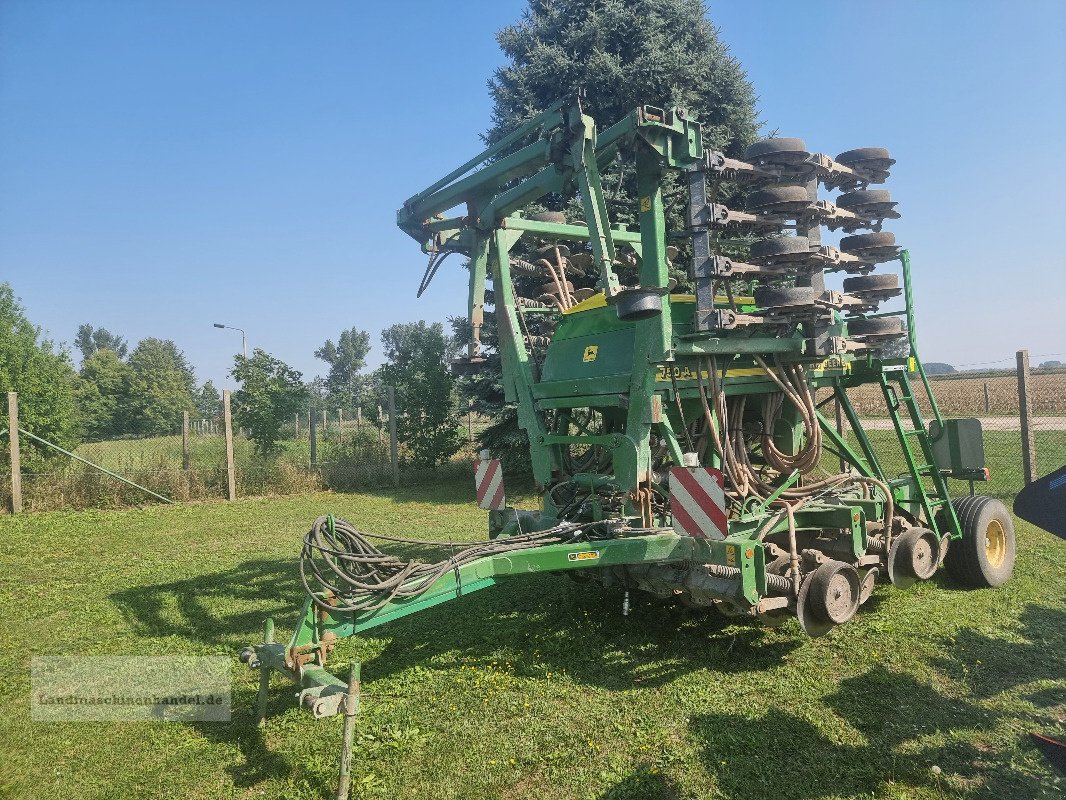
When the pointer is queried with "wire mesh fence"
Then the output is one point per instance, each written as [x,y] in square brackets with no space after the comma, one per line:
[188,460]
[992,397]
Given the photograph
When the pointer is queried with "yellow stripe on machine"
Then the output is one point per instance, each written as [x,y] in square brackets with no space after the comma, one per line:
[600,300]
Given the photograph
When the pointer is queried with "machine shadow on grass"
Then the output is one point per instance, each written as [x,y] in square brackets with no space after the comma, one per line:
[534,619]
[221,608]
[895,715]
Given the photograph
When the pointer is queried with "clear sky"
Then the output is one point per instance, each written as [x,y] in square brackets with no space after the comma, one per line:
[168,165]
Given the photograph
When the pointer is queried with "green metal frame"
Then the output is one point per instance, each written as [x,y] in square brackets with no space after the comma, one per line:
[643,374]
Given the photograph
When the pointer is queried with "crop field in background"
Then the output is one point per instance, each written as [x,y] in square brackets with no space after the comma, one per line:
[964,395]
[539,687]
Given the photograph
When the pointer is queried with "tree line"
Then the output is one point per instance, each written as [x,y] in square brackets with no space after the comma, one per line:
[143,391]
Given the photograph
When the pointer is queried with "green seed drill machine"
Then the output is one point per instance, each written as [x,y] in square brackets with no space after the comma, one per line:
[676,437]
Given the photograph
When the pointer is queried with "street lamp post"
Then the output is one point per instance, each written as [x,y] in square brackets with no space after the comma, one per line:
[244,339]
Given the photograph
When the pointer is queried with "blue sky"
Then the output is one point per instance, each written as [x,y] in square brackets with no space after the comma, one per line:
[164,166]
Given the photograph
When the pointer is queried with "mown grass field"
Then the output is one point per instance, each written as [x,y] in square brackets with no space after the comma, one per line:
[537,688]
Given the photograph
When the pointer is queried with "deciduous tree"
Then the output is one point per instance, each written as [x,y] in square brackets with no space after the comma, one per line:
[346,359]
[271,393]
[41,373]
[91,340]
[427,419]
[103,393]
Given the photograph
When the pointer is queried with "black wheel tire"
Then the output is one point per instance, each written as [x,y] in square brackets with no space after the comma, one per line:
[782,246]
[861,154]
[984,557]
[868,283]
[864,197]
[918,553]
[550,288]
[777,195]
[769,147]
[556,217]
[880,326]
[834,592]
[867,241]
[773,297]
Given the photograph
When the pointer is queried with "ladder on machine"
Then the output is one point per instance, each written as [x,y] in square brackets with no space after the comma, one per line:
[916,444]
[896,387]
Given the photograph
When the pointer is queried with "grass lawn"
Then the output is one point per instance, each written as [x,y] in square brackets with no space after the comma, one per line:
[536,688]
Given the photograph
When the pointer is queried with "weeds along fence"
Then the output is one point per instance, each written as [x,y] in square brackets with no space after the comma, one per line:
[205,459]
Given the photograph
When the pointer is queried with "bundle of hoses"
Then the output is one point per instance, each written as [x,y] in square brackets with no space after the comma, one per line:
[726,426]
[356,576]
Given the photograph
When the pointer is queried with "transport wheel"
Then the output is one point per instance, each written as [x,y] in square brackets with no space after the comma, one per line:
[984,556]
[781,150]
[871,283]
[790,297]
[914,556]
[781,246]
[779,199]
[556,217]
[879,326]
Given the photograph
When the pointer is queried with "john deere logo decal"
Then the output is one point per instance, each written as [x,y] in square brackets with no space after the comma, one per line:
[591,352]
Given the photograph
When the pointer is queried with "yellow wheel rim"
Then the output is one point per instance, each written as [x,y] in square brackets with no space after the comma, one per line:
[995,543]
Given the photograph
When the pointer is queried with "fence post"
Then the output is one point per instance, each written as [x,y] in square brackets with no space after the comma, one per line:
[340,421]
[988,403]
[1025,414]
[185,440]
[297,416]
[312,437]
[231,472]
[394,454]
[13,449]
[470,426]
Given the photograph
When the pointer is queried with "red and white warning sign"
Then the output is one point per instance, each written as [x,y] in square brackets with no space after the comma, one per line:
[488,481]
[697,502]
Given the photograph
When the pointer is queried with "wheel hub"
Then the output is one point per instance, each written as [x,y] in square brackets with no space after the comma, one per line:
[995,543]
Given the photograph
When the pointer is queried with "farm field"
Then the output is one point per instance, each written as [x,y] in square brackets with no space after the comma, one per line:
[963,395]
[536,688]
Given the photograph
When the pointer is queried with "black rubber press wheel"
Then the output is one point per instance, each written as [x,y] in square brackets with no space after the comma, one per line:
[879,326]
[834,592]
[783,197]
[782,246]
[871,283]
[861,155]
[984,556]
[773,297]
[867,241]
[862,198]
[556,217]
[768,148]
